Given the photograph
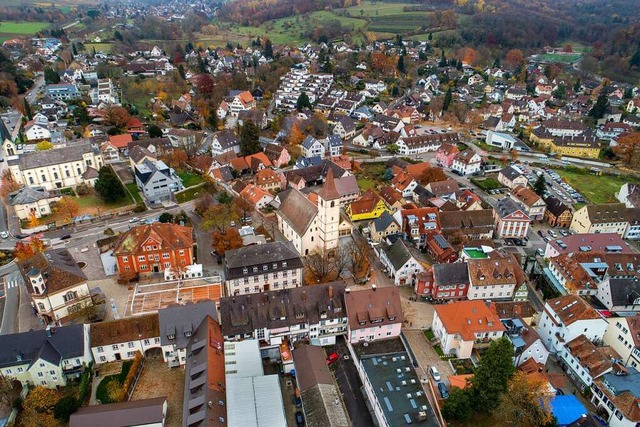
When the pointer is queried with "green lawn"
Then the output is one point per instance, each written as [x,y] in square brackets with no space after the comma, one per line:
[135,193]
[102,393]
[429,334]
[190,179]
[366,184]
[568,58]
[190,194]
[95,201]
[596,189]
[12,29]
[487,183]
[99,47]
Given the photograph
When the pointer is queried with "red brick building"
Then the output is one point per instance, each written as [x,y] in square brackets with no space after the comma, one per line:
[154,247]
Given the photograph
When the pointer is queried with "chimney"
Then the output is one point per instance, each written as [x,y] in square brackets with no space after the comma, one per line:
[48,331]
[373,286]
[304,297]
[330,292]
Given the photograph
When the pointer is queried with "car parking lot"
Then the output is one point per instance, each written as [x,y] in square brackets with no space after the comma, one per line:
[558,188]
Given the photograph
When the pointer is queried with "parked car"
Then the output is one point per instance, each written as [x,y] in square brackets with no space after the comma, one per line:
[299,419]
[4,235]
[65,236]
[21,236]
[442,387]
[134,219]
[539,252]
[553,234]
[564,233]
[333,357]
[434,373]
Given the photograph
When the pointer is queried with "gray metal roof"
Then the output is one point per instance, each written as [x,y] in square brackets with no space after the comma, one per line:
[274,253]
[451,274]
[180,319]
[133,413]
[55,156]
[28,195]
[27,347]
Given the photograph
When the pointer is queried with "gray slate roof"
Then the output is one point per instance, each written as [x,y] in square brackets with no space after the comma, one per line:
[179,320]
[451,274]
[65,342]
[624,291]
[398,253]
[309,141]
[28,195]
[383,221]
[507,206]
[510,173]
[55,156]
[259,256]
[133,413]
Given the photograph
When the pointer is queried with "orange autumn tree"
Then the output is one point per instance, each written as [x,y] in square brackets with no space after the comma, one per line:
[24,250]
[526,402]
[228,240]
[296,135]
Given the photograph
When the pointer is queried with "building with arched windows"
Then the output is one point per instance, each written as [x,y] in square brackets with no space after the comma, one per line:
[313,223]
[56,284]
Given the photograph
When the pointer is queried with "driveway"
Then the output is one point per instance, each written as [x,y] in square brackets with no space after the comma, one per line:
[426,355]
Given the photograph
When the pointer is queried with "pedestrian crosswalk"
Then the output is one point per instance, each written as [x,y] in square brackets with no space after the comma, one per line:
[11,284]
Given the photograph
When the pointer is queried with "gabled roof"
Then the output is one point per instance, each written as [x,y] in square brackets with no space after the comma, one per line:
[511,173]
[496,271]
[525,195]
[468,318]
[58,267]
[607,213]
[399,253]
[383,221]
[555,206]
[367,305]
[124,330]
[132,413]
[167,236]
[120,141]
[29,195]
[298,211]
[25,348]
[571,308]
[451,273]
[507,207]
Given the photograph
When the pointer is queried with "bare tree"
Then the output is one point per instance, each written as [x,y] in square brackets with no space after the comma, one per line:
[321,267]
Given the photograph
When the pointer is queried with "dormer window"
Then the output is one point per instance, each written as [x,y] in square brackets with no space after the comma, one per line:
[284,263]
[245,270]
[187,334]
[265,267]
[171,336]
[255,269]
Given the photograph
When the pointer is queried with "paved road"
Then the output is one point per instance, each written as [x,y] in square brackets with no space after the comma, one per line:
[12,283]
[33,93]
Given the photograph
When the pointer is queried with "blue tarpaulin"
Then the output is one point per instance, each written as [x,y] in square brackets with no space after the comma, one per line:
[567,409]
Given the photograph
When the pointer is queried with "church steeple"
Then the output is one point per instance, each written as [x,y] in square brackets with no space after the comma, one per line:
[329,191]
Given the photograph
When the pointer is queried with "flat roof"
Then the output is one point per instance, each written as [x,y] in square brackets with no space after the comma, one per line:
[475,253]
[255,402]
[398,389]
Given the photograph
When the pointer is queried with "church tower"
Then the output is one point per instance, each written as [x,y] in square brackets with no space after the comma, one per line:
[328,213]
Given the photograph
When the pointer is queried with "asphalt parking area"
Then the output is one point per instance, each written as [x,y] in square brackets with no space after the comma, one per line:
[350,385]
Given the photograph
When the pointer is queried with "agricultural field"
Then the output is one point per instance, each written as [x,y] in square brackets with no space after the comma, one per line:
[567,58]
[9,29]
[99,47]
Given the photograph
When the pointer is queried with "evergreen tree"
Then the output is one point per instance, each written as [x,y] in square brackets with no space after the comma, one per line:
[577,84]
[540,186]
[398,40]
[492,375]
[635,59]
[81,114]
[268,49]
[182,72]
[108,185]
[303,102]
[443,60]
[74,50]
[27,109]
[154,131]
[51,76]
[430,36]
[600,108]
[117,35]
[249,139]
[401,66]
[448,98]
[213,119]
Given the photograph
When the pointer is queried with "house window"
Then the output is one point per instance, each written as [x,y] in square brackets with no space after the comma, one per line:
[114,347]
[70,296]
[100,349]
[130,344]
[125,259]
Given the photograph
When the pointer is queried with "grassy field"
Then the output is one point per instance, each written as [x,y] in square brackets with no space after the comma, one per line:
[99,47]
[596,189]
[366,184]
[190,179]
[135,193]
[190,194]
[567,58]
[11,29]
[487,183]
